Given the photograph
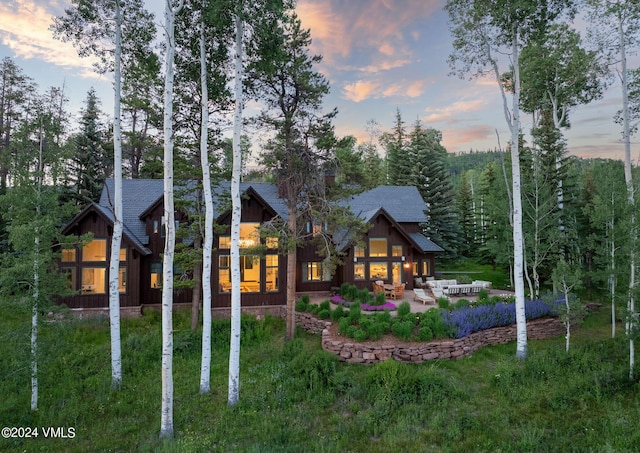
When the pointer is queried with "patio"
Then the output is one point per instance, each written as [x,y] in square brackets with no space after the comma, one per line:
[416,306]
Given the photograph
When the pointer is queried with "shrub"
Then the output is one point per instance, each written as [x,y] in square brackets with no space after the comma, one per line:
[343,325]
[404,309]
[462,303]
[380,299]
[483,295]
[403,329]
[344,288]
[302,306]
[378,329]
[325,305]
[360,335]
[305,299]
[363,297]
[354,313]
[444,303]
[351,293]
[351,331]
[324,313]
[338,313]
[383,316]
[316,369]
[425,333]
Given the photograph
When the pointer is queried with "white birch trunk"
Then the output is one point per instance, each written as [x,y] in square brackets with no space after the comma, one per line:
[628,179]
[34,327]
[116,239]
[205,367]
[518,238]
[234,352]
[567,322]
[36,284]
[166,423]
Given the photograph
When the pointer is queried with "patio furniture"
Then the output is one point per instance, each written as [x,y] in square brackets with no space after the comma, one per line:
[377,288]
[418,282]
[420,296]
[398,291]
[438,293]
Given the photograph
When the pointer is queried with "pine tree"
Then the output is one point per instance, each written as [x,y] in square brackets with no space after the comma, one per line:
[428,173]
[91,162]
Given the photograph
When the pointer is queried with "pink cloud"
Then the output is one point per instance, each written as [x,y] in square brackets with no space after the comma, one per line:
[25,30]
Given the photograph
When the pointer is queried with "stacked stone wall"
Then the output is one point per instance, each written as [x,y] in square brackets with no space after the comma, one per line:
[368,353]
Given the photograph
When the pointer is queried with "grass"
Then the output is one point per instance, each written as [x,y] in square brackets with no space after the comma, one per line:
[295,397]
[467,270]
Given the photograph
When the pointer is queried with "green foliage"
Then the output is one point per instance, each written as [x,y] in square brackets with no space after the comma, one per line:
[461,303]
[323,313]
[403,309]
[403,329]
[316,370]
[296,398]
[338,313]
[425,333]
[355,312]
[380,299]
[444,303]
[302,305]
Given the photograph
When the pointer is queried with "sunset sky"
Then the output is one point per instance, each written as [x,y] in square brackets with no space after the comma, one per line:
[379,56]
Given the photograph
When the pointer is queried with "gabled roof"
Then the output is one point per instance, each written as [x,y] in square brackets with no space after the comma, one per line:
[403,203]
[425,244]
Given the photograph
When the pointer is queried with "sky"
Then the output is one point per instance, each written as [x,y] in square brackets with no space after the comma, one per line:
[379,56]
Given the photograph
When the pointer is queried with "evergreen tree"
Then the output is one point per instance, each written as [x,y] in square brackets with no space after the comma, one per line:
[397,153]
[428,173]
[91,159]
[466,217]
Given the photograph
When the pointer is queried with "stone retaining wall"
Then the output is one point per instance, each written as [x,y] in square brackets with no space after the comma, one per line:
[353,352]
[311,323]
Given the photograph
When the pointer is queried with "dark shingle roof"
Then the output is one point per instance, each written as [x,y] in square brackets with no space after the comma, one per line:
[403,203]
[424,243]
[137,196]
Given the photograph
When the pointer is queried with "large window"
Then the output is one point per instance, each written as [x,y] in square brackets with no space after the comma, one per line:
[271,270]
[396,272]
[249,237]
[95,250]
[249,273]
[358,252]
[396,250]
[379,271]
[93,280]
[425,267]
[314,271]
[378,247]
[122,280]
[358,271]
[156,275]
[68,255]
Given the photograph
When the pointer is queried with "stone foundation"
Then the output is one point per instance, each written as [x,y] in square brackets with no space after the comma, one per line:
[353,352]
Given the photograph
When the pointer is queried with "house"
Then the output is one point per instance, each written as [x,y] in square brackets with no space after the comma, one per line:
[394,248]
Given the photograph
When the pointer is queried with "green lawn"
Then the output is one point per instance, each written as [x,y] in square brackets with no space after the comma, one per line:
[294,397]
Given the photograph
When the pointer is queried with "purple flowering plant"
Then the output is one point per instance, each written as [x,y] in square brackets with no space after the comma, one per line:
[468,320]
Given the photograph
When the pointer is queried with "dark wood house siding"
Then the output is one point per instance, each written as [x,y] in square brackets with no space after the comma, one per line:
[93,222]
[253,211]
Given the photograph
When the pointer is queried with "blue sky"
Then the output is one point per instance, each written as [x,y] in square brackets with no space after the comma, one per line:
[379,56]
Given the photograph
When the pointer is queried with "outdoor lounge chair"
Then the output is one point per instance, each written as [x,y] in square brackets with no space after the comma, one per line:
[420,296]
